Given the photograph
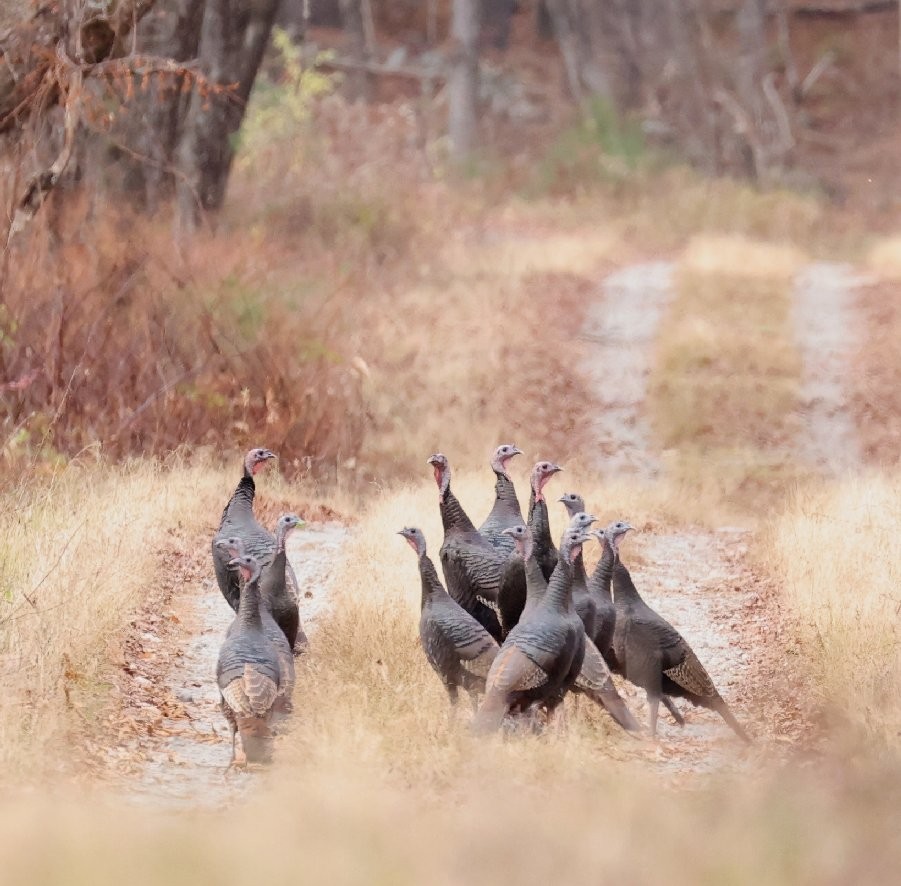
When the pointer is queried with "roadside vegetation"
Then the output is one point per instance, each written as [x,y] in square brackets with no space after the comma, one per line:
[355,321]
[724,388]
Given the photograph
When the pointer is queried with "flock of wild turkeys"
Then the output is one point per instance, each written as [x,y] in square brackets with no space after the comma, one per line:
[521,621]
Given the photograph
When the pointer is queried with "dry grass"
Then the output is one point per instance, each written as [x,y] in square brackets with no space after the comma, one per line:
[837,553]
[373,784]
[79,554]
[884,258]
[354,826]
[726,376]
[876,373]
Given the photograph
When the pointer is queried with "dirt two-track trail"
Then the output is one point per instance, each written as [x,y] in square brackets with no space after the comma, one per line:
[171,743]
[703,581]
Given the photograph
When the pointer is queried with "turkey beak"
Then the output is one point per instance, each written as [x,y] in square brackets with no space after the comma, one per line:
[516,451]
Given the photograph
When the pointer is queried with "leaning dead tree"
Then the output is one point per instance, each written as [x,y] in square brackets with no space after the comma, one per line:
[163,82]
[45,62]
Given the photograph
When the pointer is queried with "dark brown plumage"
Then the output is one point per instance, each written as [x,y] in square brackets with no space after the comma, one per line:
[594,678]
[654,656]
[279,586]
[506,511]
[472,566]
[542,656]
[511,597]
[238,520]
[284,703]
[457,647]
[248,672]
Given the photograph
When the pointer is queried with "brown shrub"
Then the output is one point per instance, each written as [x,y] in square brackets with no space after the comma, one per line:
[124,343]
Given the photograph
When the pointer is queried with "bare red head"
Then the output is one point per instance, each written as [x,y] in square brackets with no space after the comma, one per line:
[541,473]
[255,459]
[415,539]
[442,472]
[248,566]
[522,538]
[501,456]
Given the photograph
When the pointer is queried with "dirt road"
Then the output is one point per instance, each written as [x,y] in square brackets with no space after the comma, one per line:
[173,745]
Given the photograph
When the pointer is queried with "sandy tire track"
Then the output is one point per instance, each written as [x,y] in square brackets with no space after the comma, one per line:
[621,329]
[173,744]
[702,581]
[827,334]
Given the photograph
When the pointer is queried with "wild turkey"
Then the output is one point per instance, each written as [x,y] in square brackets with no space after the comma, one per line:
[238,520]
[284,702]
[511,595]
[472,566]
[599,587]
[539,521]
[594,678]
[506,511]
[457,647]
[279,585]
[542,656]
[653,654]
[591,598]
[248,672]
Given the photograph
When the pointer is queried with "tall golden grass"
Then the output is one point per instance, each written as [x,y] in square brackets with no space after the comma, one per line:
[726,376]
[836,550]
[79,553]
[374,782]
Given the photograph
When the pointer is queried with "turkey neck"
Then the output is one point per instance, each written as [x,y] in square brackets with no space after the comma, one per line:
[560,588]
[274,589]
[540,523]
[242,499]
[536,586]
[624,591]
[431,584]
[249,607]
[452,514]
[506,504]
[603,574]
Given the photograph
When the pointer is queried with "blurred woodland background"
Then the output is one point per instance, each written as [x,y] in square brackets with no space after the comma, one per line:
[207,189]
[361,231]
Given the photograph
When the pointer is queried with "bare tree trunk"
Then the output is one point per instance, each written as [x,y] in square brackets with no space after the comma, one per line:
[359,79]
[750,23]
[463,86]
[575,24]
[628,15]
[496,19]
[156,116]
[233,39]
[700,136]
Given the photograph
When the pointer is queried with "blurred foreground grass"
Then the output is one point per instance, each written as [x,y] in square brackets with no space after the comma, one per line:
[373,784]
